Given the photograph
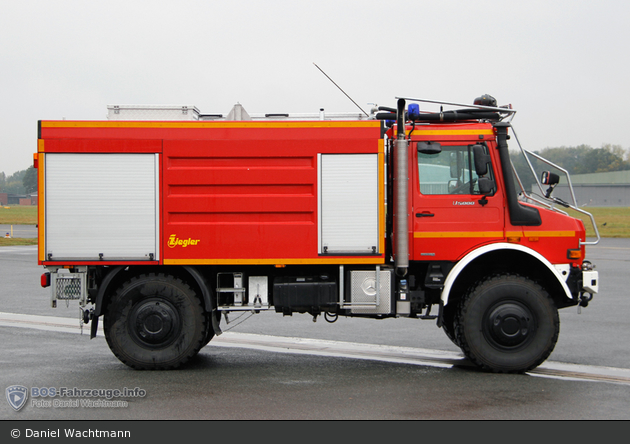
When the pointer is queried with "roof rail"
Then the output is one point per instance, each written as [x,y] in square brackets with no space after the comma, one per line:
[479,110]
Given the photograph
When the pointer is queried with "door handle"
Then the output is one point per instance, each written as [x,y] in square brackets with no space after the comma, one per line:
[427,214]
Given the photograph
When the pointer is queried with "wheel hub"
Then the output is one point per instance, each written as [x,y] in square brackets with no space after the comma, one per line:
[509,325]
[154,323]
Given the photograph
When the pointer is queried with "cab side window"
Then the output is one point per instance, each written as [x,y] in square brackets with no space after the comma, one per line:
[451,171]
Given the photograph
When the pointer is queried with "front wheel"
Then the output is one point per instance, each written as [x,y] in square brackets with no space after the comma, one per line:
[155,322]
[507,323]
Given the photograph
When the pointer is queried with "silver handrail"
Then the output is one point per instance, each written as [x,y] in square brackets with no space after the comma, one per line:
[573,206]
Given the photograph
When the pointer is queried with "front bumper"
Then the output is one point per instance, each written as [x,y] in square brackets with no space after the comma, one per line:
[590,281]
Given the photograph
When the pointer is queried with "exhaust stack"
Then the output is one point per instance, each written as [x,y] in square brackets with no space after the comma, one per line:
[402,199]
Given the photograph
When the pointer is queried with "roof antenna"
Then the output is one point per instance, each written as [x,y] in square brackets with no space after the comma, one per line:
[340,89]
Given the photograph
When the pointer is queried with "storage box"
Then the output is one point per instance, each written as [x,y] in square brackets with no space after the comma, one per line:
[302,293]
[363,292]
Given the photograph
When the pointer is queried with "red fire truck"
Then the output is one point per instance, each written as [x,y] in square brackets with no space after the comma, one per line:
[164,226]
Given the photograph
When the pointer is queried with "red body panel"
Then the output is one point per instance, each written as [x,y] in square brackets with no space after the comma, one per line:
[246,192]
[557,234]
[103,146]
[231,192]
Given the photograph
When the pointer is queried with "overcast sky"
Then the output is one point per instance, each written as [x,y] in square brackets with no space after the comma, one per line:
[563,65]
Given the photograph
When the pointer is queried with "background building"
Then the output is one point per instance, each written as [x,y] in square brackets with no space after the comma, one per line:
[597,189]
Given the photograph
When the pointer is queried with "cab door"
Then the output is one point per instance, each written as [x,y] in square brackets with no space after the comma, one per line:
[452,214]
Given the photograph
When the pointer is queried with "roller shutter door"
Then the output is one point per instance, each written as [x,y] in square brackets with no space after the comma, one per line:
[101,206]
[348,203]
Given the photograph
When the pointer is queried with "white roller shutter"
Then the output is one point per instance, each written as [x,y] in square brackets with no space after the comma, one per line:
[102,206]
[348,204]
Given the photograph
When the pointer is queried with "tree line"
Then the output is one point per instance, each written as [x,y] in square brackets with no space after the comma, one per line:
[20,182]
[581,159]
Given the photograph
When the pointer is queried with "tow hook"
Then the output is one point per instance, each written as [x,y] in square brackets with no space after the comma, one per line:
[585,298]
[85,316]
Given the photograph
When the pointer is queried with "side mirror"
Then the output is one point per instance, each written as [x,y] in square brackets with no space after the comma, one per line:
[549,178]
[481,160]
[429,147]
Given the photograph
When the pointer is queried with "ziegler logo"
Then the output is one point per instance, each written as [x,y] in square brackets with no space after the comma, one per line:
[457,202]
[174,241]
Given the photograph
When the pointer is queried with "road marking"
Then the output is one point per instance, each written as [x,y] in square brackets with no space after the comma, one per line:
[317,347]
[46,323]
[20,249]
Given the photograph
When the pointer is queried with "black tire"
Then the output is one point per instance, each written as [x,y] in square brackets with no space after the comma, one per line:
[508,324]
[155,322]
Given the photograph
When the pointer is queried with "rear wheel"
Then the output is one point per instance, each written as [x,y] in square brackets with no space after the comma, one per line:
[507,323]
[155,322]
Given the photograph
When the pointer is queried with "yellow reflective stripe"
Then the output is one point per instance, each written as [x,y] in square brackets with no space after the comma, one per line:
[327,260]
[440,234]
[381,195]
[462,132]
[41,202]
[460,234]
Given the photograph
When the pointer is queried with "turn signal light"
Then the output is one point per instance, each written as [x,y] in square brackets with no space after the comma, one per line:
[574,254]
